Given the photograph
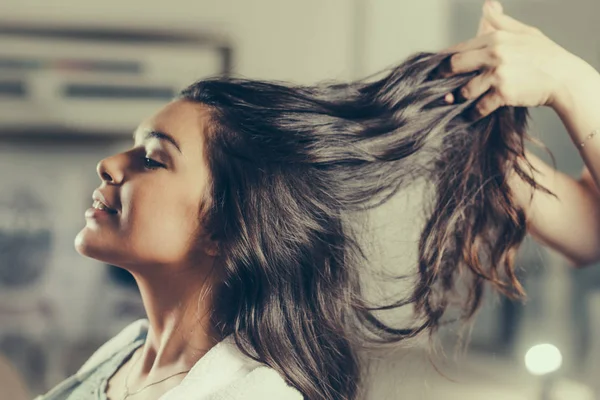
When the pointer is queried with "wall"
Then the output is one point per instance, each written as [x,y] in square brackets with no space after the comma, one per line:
[299,40]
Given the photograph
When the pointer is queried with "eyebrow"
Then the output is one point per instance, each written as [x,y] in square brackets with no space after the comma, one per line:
[160,136]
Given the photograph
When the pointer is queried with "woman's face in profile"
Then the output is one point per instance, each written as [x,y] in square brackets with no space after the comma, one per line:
[155,189]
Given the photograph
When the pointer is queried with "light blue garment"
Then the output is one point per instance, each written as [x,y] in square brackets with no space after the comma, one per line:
[94,386]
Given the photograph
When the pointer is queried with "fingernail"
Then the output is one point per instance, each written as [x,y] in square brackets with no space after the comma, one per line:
[488,7]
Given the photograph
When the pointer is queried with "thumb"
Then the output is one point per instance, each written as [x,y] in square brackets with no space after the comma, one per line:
[494,5]
[495,17]
[485,26]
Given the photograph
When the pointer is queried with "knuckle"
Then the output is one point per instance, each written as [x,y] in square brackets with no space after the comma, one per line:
[465,92]
[481,107]
[504,93]
[501,76]
[498,54]
[453,63]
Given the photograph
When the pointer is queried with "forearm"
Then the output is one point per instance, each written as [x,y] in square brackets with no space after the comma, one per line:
[569,222]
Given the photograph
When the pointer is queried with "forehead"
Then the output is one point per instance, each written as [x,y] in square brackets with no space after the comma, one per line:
[184,120]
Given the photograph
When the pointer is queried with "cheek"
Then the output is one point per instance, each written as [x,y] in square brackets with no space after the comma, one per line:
[158,229]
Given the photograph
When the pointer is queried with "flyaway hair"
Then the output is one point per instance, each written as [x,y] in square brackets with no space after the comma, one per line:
[288,163]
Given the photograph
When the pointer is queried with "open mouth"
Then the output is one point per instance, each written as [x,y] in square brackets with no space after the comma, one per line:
[98,205]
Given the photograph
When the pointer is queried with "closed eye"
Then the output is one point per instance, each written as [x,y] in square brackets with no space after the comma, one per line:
[151,164]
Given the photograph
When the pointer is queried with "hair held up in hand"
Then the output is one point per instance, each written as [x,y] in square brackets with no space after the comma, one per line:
[289,162]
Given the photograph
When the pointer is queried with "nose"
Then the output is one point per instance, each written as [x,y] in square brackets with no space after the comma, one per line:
[110,169]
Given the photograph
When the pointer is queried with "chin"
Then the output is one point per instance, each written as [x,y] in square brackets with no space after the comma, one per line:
[87,247]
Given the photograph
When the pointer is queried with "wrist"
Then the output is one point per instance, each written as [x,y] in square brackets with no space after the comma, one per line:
[577,102]
[581,86]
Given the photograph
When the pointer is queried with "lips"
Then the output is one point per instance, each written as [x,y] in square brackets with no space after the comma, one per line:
[101,199]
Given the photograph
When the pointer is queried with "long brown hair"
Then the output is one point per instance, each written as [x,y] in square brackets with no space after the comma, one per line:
[289,163]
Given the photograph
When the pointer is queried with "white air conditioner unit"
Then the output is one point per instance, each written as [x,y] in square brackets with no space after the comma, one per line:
[83,80]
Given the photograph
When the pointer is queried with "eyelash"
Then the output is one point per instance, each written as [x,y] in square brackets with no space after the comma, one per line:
[155,165]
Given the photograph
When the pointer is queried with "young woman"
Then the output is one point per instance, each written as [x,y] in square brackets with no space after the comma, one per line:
[230,212]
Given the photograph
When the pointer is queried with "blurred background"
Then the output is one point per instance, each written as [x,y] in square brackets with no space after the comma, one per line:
[76,77]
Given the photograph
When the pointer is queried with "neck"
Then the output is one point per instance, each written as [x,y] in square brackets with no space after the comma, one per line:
[178,305]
